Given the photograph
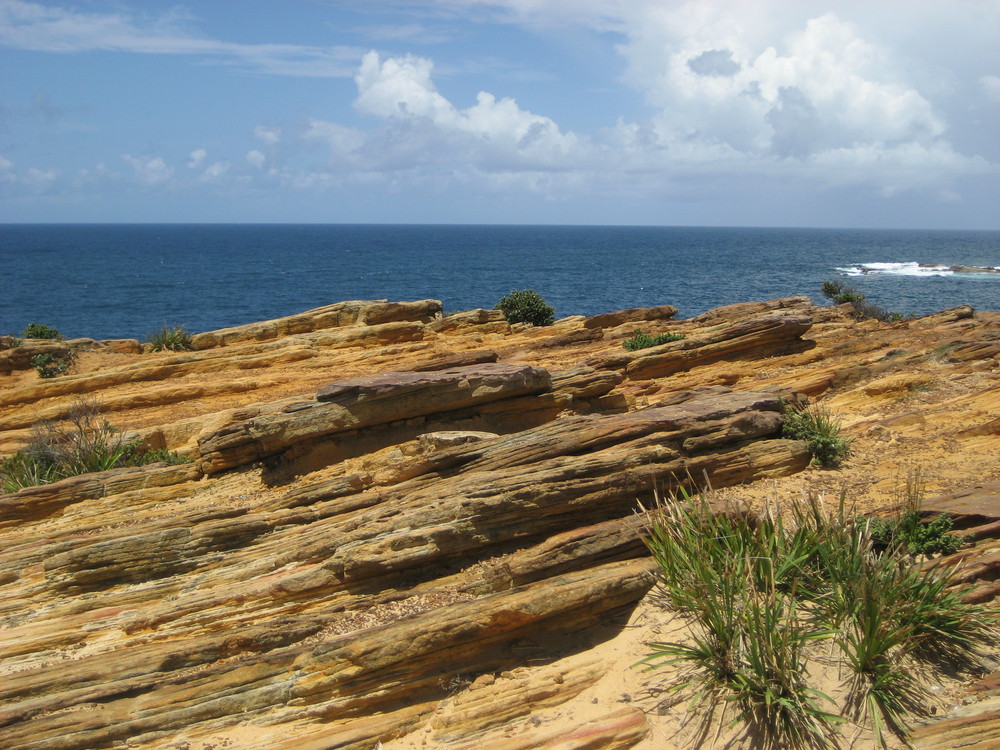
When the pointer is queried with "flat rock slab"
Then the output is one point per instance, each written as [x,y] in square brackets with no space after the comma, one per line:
[755,338]
[366,402]
[477,384]
[981,502]
[354,312]
[632,315]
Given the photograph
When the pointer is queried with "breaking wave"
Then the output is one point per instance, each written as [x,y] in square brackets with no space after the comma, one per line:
[917,269]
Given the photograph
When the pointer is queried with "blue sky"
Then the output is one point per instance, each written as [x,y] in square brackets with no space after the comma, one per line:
[766,113]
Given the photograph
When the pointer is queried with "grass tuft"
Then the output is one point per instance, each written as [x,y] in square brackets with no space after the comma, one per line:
[170,338]
[821,432]
[758,593]
[80,444]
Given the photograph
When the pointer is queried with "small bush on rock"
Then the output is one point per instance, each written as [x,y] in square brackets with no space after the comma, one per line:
[864,309]
[41,331]
[840,293]
[640,340]
[53,364]
[904,533]
[908,533]
[821,432]
[526,306]
[170,338]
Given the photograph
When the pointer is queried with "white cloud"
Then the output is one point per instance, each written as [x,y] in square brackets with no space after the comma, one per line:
[771,89]
[256,158]
[150,171]
[215,171]
[811,109]
[991,87]
[197,158]
[268,136]
[40,180]
[821,86]
[51,28]
[423,126]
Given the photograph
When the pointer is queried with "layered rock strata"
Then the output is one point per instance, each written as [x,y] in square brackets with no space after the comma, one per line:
[396,522]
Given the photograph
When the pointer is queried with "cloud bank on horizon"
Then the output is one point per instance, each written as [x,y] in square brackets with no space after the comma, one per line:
[505,111]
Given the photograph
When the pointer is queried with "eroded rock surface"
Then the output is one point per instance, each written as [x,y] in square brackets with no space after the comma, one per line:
[420,530]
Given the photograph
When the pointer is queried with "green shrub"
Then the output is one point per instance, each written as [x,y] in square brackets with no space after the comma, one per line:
[840,292]
[906,534]
[760,595]
[41,331]
[9,342]
[170,338]
[640,340]
[916,538]
[79,444]
[53,364]
[526,306]
[821,432]
[864,309]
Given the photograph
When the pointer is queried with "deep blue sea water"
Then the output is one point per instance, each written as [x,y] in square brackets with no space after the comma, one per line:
[125,280]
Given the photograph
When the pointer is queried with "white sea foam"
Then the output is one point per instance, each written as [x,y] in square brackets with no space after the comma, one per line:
[898,269]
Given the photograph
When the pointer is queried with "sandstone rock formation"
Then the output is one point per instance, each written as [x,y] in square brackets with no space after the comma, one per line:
[419,530]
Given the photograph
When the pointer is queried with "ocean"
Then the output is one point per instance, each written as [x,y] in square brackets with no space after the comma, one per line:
[127,280]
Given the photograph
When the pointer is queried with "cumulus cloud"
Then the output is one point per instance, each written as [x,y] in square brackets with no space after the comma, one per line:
[766,88]
[811,108]
[150,170]
[266,135]
[197,158]
[820,87]
[215,171]
[256,158]
[423,125]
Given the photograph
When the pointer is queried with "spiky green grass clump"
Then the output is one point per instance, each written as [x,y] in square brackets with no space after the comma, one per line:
[821,432]
[170,338]
[82,443]
[757,594]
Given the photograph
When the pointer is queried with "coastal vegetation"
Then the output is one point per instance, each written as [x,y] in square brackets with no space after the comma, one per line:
[172,338]
[905,531]
[821,432]
[53,364]
[640,340]
[41,331]
[81,443]
[763,596]
[864,309]
[526,306]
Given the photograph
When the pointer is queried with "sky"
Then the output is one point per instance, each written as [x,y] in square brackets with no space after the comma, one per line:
[881,113]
